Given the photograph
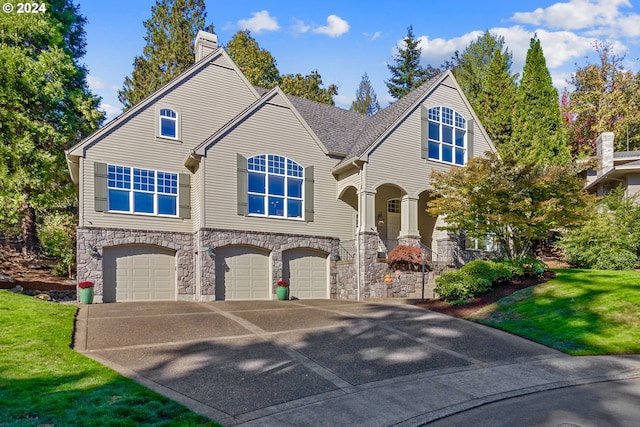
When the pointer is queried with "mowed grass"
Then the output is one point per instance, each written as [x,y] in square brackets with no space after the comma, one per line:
[580,312]
[44,382]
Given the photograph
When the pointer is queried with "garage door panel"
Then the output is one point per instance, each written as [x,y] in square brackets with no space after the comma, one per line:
[139,273]
[306,271]
[242,273]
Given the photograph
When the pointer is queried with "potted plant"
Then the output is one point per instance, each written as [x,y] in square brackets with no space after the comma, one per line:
[85,292]
[282,291]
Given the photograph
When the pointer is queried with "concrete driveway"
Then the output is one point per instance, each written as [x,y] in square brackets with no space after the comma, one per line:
[325,362]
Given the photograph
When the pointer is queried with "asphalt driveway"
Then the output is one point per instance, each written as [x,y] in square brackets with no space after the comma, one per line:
[324,362]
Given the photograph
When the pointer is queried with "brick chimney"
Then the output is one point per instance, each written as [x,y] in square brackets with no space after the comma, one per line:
[205,44]
[604,151]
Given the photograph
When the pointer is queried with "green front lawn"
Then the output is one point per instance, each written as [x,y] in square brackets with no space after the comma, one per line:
[580,312]
[44,382]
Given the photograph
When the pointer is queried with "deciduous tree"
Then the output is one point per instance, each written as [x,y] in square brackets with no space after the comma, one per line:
[169,49]
[606,99]
[309,87]
[516,203]
[258,65]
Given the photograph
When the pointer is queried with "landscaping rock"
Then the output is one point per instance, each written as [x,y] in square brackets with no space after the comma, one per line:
[6,278]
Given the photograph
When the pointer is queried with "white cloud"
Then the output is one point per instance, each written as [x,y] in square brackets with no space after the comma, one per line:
[299,27]
[376,35]
[343,101]
[112,112]
[335,27]
[436,51]
[261,21]
[574,14]
[97,83]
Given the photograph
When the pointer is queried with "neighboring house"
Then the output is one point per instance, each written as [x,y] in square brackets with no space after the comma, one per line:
[213,189]
[613,168]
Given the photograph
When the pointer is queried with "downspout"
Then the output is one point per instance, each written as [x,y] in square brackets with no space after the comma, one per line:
[358,281]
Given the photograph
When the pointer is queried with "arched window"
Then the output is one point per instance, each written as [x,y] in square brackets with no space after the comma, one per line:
[168,123]
[275,186]
[447,136]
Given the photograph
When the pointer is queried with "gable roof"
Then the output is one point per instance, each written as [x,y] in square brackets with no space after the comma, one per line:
[76,150]
[381,122]
[335,127]
[201,148]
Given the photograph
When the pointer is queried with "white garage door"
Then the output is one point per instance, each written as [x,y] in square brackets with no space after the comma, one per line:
[139,273]
[306,271]
[242,273]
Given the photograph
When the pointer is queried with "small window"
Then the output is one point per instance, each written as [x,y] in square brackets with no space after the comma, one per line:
[168,123]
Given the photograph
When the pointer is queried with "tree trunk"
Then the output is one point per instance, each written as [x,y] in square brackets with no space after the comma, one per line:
[28,230]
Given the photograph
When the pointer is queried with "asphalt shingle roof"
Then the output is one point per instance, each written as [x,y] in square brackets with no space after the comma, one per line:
[348,133]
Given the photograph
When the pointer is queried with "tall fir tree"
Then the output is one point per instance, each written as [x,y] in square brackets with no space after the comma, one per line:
[407,73]
[495,104]
[169,47]
[366,100]
[258,65]
[45,107]
[483,71]
[538,136]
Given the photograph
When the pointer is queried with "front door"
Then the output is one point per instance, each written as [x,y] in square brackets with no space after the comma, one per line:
[393,223]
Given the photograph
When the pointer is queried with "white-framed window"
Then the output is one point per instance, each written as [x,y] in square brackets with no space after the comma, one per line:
[275,187]
[142,191]
[447,136]
[168,125]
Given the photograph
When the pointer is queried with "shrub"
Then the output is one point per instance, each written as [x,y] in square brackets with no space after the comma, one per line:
[406,258]
[478,276]
[616,259]
[455,287]
[57,236]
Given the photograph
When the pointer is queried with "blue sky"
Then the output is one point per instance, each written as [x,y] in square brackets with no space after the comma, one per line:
[344,39]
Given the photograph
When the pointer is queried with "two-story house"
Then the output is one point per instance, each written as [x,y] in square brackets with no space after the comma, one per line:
[212,189]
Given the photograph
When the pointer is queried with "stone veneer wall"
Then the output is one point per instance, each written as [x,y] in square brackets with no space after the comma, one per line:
[90,266]
[273,242]
[346,280]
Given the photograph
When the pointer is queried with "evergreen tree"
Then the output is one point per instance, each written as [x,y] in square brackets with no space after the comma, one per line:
[537,126]
[169,51]
[366,100]
[496,102]
[407,73]
[45,107]
[258,65]
[605,99]
[483,71]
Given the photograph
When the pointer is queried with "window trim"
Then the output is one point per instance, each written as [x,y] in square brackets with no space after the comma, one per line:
[456,119]
[289,166]
[178,123]
[131,192]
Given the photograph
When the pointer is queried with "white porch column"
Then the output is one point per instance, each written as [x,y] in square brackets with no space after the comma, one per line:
[409,218]
[366,211]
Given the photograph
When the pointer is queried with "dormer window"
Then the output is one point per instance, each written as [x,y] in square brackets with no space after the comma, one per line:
[168,123]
